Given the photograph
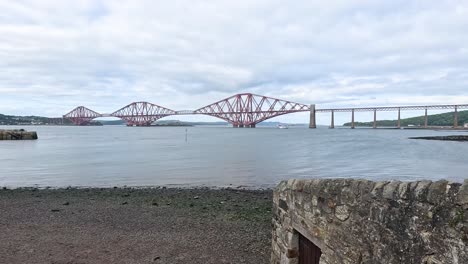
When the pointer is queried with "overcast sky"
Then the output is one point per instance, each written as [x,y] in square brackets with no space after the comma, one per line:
[55,55]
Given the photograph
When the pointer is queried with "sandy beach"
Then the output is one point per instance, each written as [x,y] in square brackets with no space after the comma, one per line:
[123,225]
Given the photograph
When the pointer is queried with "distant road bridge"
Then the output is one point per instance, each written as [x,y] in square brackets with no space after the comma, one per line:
[389,108]
[240,110]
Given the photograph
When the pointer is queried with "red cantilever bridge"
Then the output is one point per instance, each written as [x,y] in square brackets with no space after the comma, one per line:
[241,110]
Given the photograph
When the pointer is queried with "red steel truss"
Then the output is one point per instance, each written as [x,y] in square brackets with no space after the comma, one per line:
[247,110]
[142,113]
[241,110]
[81,115]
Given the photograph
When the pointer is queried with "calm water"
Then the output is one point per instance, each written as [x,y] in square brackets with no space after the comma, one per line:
[221,156]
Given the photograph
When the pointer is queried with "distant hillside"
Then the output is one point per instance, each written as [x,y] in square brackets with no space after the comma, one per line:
[445,119]
[10,120]
[28,120]
[216,123]
[112,122]
[164,123]
[40,120]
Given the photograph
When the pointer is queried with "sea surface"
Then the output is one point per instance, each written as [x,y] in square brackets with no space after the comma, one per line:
[109,156]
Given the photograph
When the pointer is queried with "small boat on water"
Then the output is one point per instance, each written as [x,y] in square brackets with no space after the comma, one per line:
[280,126]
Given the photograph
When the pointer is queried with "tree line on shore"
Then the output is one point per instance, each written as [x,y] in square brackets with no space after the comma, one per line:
[445,119]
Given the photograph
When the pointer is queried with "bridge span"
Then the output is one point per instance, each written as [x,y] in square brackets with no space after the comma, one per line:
[242,110]
[388,108]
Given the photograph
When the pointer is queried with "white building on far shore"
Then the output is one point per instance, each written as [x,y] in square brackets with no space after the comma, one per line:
[466,125]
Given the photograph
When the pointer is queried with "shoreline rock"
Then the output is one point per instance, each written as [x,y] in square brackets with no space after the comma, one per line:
[444,138]
[17,134]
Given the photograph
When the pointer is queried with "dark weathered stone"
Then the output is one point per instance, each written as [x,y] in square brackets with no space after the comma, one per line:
[356,221]
[463,194]
[292,253]
[445,138]
[437,192]
[421,190]
[17,134]
[283,205]
[390,191]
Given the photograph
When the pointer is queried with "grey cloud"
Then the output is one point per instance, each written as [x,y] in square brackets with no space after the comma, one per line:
[183,54]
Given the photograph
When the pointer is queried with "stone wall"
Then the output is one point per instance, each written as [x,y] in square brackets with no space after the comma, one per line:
[359,221]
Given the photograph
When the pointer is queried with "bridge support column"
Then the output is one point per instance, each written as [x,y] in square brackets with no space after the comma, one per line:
[399,118]
[455,117]
[312,123]
[332,125]
[352,119]
[235,126]
[425,118]
[252,126]
[375,119]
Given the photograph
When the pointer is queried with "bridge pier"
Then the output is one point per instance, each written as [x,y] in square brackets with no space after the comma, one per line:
[332,125]
[352,119]
[375,119]
[455,117]
[312,123]
[425,118]
[399,118]
[242,125]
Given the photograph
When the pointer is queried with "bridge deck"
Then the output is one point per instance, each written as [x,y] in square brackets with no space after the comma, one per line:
[393,108]
[244,110]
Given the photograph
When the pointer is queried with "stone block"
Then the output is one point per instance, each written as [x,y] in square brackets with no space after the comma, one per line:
[283,205]
[437,192]
[390,191]
[342,212]
[462,197]
[403,190]
[421,190]
[378,188]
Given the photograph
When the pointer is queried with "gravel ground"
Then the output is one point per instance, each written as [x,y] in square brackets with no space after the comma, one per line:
[134,226]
